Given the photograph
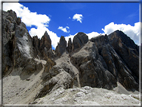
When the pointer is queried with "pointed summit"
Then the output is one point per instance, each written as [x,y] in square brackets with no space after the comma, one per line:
[46,34]
[79,40]
[69,45]
[119,35]
[60,49]
[45,41]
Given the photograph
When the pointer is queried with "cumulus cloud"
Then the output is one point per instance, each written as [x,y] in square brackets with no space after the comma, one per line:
[41,21]
[132,31]
[28,17]
[93,34]
[64,29]
[78,17]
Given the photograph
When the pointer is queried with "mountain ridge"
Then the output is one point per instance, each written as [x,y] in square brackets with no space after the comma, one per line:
[99,62]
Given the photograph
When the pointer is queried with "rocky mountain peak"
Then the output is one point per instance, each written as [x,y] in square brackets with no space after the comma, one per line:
[79,40]
[62,41]
[45,41]
[119,35]
[70,46]
[47,36]
[61,47]
[100,41]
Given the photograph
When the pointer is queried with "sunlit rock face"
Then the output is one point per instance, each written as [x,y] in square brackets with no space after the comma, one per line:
[75,71]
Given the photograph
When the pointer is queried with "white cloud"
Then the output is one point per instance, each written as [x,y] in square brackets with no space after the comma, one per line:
[78,17]
[132,31]
[64,29]
[93,34]
[28,17]
[41,21]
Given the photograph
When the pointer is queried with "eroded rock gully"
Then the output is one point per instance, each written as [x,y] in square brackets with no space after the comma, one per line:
[32,70]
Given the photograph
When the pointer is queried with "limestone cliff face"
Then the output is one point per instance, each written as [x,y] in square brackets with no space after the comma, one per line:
[99,62]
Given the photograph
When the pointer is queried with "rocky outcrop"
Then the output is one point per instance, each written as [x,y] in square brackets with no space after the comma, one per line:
[42,48]
[127,50]
[62,79]
[114,60]
[100,41]
[70,46]
[91,70]
[7,28]
[36,44]
[61,47]
[45,42]
[17,45]
[79,40]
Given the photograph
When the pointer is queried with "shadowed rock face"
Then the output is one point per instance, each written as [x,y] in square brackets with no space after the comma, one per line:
[91,69]
[127,50]
[79,40]
[101,61]
[116,55]
[41,47]
[45,42]
[61,47]
[70,46]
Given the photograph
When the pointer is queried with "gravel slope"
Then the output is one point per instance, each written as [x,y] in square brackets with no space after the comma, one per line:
[91,96]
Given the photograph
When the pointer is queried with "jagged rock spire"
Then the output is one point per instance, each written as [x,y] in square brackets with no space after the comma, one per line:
[61,47]
[69,45]
[45,41]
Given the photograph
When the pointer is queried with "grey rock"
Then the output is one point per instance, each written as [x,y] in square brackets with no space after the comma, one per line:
[18,21]
[51,53]
[108,49]
[100,41]
[61,47]
[36,45]
[45,41]
[69,48]
[42,48]
[127,50]
[91,70]
[62,79]
[79,40]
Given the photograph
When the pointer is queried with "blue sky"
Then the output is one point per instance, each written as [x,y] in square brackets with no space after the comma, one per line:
[95,15]
[66,19]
